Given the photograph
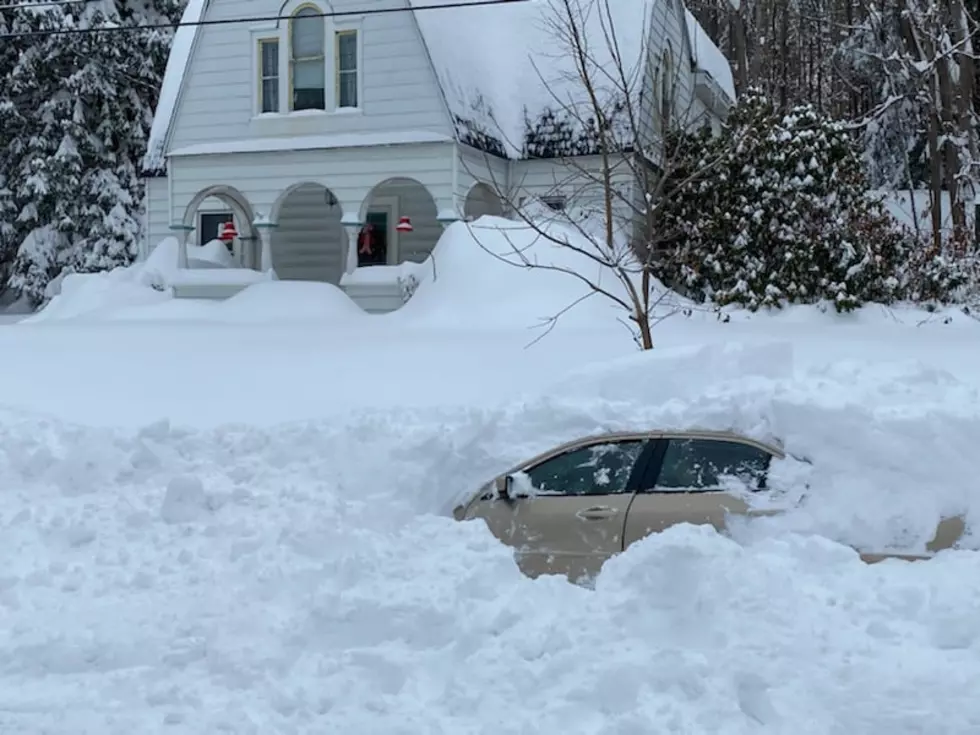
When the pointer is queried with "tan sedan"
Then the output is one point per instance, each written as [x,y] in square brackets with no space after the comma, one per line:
[568,510]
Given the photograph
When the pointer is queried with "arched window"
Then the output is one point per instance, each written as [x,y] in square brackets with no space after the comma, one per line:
[667,87]
[307,59]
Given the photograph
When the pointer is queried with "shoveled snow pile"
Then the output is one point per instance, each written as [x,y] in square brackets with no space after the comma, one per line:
[889,444]
[284,579]
[284,301]
[140,292]
[506,274]
[493,273]
[98,295]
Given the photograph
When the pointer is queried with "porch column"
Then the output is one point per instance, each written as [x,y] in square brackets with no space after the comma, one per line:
[182,232]
[447,216]
[352,227]
[265,228]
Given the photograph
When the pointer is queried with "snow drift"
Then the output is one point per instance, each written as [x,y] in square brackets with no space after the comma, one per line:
[285,580]
[140,292]
[503,274]
[102,295]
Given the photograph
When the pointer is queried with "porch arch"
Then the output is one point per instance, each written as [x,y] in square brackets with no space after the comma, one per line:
[482,200]
[386,203]
[231,198]
[309,242]
[329,199]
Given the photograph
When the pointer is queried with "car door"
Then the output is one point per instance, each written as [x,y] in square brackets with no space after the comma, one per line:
[571,518]
[696,479]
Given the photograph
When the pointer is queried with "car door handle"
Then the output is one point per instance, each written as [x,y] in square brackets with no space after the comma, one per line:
[596,513]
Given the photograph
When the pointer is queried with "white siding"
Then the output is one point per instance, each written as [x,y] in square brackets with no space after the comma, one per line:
[667,29]
[580,183]
[350,173]
[475,167]
[398,87]
[310,243]
[157,222]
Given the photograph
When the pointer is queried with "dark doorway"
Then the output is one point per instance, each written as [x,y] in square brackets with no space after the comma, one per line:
[209,225]
[372,243]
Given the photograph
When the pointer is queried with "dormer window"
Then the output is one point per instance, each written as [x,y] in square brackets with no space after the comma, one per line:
[307,60]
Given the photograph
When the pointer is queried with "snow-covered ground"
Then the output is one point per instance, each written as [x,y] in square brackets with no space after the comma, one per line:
[234,517]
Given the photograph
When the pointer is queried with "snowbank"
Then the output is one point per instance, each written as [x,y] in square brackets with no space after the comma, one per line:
[481,279]
[140,292]
[104,295]
[859,422]
[284,301]
[283,579]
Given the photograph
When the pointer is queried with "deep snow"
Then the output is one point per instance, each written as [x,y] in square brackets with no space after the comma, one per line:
[219,522]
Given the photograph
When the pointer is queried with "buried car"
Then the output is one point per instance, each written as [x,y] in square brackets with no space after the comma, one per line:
[566,511]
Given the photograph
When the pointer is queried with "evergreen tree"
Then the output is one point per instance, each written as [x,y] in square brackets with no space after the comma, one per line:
[77,109]
[786,217]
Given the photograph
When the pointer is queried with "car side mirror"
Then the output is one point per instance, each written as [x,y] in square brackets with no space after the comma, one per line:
[505,486]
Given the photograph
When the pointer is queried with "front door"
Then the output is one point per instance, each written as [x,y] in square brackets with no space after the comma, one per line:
[697,480]
[372,245]
[568,513]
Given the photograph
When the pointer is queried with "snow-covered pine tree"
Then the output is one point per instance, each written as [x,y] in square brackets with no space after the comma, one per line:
[785,218]
[83,107]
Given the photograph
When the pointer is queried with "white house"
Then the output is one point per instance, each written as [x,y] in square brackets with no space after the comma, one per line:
[316,126]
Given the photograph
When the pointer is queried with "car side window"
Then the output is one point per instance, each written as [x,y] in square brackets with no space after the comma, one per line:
[599,469]
[700,465]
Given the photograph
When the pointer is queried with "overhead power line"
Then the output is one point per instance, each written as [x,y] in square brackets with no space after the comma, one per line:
[44,4]
[235,21]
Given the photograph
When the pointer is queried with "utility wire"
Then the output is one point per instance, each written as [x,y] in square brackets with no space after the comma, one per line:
[234,21]
[44,4]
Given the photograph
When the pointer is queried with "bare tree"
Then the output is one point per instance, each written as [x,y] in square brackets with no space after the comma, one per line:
[920,54]
[624,165]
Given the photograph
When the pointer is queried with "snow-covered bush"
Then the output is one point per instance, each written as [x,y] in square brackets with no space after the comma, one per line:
[407,286]
[781,216]
[932,277]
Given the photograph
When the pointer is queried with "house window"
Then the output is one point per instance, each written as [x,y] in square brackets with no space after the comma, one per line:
[667,87]
[346,69]
[557,203]
[307,59]
[209,225]
[269,75]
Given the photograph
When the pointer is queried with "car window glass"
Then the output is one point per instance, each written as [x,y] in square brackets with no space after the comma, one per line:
[600,469]
[712,464]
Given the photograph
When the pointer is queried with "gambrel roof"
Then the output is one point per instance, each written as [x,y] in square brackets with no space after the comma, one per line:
[503,70]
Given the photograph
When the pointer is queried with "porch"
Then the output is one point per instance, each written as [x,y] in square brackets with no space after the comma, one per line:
[370,239]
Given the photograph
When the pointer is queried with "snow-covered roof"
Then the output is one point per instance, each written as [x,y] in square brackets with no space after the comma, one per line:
[708,56]
[503,66]
[177,63]
[511,86]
